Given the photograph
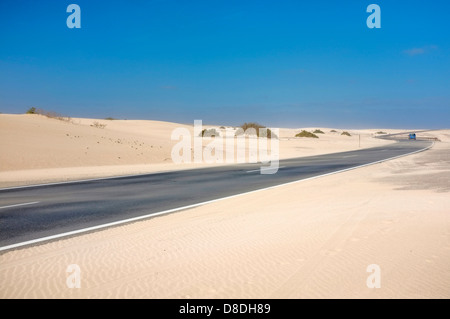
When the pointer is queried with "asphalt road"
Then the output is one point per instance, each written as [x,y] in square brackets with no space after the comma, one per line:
[31,213]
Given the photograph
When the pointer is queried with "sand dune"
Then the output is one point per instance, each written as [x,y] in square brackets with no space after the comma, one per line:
[35,142]
[311,239]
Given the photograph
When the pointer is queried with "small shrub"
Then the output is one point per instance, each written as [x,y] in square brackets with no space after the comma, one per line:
[380,132]
[222,127]
[209,133]
[318,132]
[333,131]
[267,133]
[50,114]
[261,130]
[31,110]
[110,118]
[345,133]
[306,134]
[254,125]
[98,125]
[239,131]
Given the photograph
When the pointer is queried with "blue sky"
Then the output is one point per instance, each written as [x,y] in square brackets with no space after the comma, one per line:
[281,63]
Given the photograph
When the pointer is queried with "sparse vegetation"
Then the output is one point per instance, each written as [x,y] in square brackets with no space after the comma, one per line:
[209,133]
[318,132]
[333,131]
[98,125]
[31,110]
[306,134]
[260,130]
[222,127]
[110,118]
[250,125]
[380,132]
[345,133]
[49,114]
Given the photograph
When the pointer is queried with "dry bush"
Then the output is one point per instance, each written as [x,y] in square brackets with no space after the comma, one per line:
[261,130]
[31,110]
[209,133]
[50,114]
[98,125]
[306,134]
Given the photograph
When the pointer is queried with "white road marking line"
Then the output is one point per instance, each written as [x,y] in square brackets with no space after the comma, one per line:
[83,180]
[263,168]
[16,205]
[151,215]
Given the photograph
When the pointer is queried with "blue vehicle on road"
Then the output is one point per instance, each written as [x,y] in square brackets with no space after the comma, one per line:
[412,136]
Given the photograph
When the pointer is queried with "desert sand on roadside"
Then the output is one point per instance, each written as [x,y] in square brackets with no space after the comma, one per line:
[37,149]
[311,239]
